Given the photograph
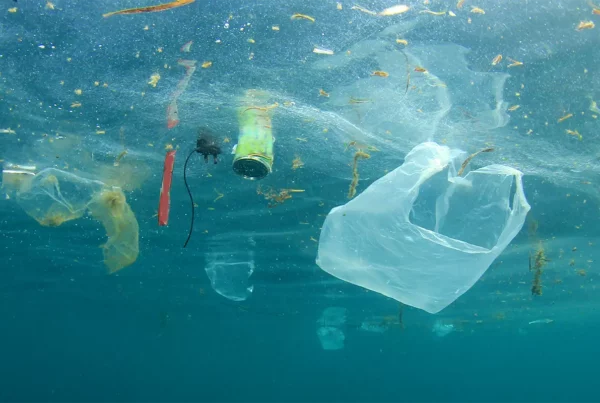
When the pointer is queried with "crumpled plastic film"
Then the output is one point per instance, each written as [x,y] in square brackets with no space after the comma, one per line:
[53,197]
[122,247]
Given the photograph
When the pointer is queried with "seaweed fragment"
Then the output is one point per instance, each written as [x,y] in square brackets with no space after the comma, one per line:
[359,154]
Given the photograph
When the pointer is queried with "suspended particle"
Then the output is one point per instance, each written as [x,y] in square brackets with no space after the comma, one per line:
[395,10]
[322,51]
[585,25]
[299,16]
[364,10]
[154,78]
[514,63]
[379,73]
[563,118]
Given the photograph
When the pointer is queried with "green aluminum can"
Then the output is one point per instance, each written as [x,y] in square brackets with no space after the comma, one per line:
[254,151]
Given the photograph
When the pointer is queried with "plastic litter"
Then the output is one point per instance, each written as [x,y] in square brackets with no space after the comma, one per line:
[330,328]
[229,274]
[53,197]
[422,235]
[122,247]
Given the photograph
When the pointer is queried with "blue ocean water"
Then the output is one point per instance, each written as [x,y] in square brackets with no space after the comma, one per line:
[238,314]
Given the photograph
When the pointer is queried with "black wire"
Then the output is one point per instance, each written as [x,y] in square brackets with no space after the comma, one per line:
[191,198]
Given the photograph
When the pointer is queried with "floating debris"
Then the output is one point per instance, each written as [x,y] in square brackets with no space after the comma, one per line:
[322,51]
[297,163]
[298,16]
[585,25]
[364,10]
[172,110]
[322,93]
[154,78]
[541,321]
[497,60]
[186,48]
[574,133]
[477,10]
[380,73]
[359,155]
[164,201]
[150,9]
[436,13]
[563,118]
[395,10]
[206,65]
[470,157]
[119,158]
[514,63]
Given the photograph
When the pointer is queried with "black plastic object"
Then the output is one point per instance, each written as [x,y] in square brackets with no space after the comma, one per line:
[205,145]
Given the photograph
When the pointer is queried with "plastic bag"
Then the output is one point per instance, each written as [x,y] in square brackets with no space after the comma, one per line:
[53,197]
[422,235]
[122,247]
[330,328]
[229,274]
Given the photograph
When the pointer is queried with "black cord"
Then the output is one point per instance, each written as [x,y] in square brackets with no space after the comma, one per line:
[191,198]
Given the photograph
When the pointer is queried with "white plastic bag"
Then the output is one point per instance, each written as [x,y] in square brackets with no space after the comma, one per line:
[422,235]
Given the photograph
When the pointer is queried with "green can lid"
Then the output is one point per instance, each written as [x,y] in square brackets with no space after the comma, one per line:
[251,168]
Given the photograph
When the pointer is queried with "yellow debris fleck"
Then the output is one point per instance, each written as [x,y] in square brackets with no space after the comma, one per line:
[477,10]
[12,10]
[206,65]
[402,42]
[395,10]
[563,118]
[299,16]
[49,6]
[379,73]
[75,104]
[78,91]
[154,78]
[514,63]
[585,25]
